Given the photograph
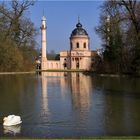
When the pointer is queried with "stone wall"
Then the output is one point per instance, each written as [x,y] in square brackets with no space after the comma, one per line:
[52,64]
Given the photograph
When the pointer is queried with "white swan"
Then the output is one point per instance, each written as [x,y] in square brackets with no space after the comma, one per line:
[12,120]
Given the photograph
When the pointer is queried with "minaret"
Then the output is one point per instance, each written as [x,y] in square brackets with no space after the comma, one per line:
[43,43]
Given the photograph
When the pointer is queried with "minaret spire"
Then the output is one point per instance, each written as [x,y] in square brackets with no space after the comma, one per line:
[43,12]
[78,19]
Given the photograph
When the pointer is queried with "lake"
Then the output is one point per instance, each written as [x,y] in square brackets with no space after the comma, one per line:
[70,105]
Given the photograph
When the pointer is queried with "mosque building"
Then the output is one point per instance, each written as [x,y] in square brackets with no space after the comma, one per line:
[78,57]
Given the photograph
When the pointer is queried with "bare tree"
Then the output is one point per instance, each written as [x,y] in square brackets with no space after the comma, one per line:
[132,12]
[122,31]
[17,23]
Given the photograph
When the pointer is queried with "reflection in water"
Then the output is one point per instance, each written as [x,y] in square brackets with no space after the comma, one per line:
[54,105]
[44,93]
[80,89]
[64,83]
[13,130]
[120,97]
[78,85]
[81,101]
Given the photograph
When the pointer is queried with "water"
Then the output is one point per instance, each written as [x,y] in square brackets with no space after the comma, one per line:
[70,105]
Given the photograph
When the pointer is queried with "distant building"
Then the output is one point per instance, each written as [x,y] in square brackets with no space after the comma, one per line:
[79,57]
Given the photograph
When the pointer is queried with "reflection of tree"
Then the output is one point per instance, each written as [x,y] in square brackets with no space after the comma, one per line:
[17,92]
[119,105]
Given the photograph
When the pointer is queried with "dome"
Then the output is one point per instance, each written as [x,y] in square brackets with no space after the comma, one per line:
[79,30]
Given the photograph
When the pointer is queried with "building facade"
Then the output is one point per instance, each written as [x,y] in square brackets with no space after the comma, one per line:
[78,57]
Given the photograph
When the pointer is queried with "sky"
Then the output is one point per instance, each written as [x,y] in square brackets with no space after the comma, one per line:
[62,17]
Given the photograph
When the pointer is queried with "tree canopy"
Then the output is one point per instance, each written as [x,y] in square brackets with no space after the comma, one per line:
[119,29]
[17,32]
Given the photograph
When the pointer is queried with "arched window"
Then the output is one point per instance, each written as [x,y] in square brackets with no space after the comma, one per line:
[57,65]
[77,45]
[51,65]
[84,44]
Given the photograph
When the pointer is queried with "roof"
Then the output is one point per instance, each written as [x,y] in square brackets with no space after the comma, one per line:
[79,30]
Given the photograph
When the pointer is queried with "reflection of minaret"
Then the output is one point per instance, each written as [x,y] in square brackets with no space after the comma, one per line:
[44,93]
[43,43]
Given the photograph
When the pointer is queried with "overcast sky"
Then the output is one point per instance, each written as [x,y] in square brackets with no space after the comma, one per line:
[62,17]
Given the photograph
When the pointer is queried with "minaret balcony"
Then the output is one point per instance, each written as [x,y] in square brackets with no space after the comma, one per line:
[43,27]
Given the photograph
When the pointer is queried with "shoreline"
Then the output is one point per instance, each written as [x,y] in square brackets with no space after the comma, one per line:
[12,73]
[88,73]
[38,71]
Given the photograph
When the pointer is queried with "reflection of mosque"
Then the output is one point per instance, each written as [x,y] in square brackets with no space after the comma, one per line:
[78,84]
[80,89]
